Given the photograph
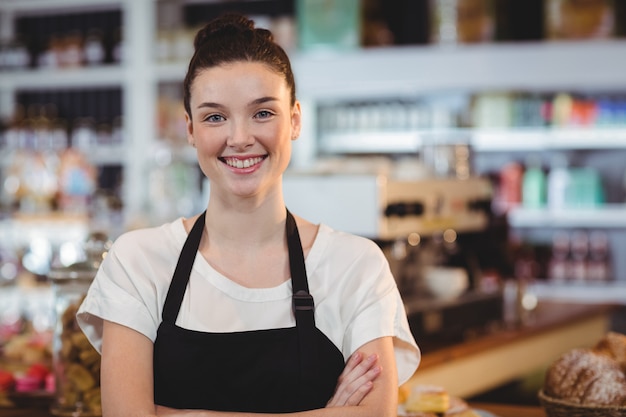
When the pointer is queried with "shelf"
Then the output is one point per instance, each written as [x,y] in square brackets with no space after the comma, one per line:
[609,292]
[538,139]
[107,155]
[83,77]
[40,7]
[171,71]
[512,139]
[611,216]
[541,66]
[411,70]
[56,228]
[371,142]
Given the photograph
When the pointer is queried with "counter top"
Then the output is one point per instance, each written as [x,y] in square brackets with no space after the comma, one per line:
[476,366]
[505,410]
[549,315]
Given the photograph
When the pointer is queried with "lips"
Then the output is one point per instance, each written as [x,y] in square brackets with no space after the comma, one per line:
[241,163]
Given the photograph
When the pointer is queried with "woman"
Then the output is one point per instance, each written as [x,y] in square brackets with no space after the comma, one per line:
[220,314]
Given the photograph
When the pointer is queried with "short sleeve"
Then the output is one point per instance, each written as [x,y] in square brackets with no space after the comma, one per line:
[121,293]
[377,310]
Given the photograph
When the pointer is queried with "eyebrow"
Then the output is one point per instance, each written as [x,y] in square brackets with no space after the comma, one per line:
[261,100]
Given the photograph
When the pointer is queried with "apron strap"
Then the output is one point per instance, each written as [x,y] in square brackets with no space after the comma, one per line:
[303,307]
[180,278]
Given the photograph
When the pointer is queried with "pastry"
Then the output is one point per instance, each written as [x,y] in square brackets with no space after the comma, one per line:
[614,346]
[428,398]
[583,376]
[459,408]
[403,393]
[461,413]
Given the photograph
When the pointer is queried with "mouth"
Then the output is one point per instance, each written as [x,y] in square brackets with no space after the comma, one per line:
[238,162]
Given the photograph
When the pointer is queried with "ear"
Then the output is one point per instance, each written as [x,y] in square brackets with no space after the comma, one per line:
[189,129]
[296,120]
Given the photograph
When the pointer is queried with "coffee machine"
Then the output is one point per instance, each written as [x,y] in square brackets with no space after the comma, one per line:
[431,229]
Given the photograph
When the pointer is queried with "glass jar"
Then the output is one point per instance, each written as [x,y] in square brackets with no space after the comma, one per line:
[462,21]
[76,363]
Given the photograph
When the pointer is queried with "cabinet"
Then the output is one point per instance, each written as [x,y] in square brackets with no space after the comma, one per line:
[404,72]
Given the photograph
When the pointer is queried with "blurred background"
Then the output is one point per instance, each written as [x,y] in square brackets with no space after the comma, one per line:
[480,139]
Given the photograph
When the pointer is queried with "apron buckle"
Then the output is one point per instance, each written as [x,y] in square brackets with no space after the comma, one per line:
[302,301]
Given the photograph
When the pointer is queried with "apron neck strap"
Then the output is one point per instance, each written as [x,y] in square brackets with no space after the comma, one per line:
[302,299]
[183,269]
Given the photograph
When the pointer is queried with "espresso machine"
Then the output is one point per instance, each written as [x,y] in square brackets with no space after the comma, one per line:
[434,232]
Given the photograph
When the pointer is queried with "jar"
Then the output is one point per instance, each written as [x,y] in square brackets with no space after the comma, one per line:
[462,21]
[76,363]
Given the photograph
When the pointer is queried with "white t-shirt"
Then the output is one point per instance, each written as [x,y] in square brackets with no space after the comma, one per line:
[356,297]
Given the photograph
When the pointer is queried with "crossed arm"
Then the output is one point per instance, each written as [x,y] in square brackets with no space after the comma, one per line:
[367,387]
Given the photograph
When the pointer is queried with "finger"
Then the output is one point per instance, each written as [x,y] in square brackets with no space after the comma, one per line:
[347,373]
[356,368]
[360,368]
[359,394]
[351,393]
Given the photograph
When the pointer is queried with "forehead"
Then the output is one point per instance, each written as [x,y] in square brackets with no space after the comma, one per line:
[239,78]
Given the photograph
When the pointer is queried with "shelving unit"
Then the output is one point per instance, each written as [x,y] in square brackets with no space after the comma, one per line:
[32,79]
[545,139]
[595,66]
[133,76]
[611,216]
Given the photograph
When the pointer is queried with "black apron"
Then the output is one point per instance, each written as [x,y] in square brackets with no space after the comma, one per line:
[265,371]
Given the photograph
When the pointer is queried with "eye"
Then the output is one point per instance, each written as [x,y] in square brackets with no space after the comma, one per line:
[214,118]
[263,114]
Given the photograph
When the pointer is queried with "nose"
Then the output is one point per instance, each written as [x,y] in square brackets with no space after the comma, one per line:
[240,136]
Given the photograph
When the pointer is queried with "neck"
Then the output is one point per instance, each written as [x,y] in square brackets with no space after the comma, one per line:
[246,224]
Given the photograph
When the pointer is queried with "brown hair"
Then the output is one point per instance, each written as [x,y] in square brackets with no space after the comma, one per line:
[232,38]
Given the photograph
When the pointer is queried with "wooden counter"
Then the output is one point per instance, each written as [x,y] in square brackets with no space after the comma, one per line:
[504,410]
[476,366]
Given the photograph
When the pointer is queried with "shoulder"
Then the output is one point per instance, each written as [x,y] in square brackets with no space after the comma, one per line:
[158,239]
[343,250]
[347,242]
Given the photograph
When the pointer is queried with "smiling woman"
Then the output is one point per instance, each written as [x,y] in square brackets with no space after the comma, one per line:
[246,308]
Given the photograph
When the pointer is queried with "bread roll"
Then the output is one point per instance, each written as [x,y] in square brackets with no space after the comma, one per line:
[614,346]
[586,377]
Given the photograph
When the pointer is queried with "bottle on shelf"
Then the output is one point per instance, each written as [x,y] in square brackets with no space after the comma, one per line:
[77,182]
[579,251]
[94,52]
[534,184]
[559,263]
[576,20]
[558,183]
[462,21]
[599,263]
[72,54]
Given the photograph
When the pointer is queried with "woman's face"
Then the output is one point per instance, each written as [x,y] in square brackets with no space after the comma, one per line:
[242,124]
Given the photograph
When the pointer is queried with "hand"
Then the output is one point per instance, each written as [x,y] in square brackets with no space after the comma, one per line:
[356,380]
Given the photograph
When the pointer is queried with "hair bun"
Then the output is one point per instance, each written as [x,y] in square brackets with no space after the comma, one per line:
[227,24]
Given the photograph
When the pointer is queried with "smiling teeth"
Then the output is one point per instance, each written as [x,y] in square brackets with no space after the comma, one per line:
[242,163]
